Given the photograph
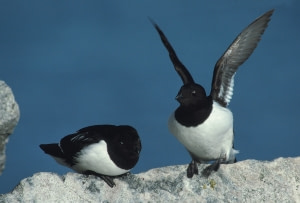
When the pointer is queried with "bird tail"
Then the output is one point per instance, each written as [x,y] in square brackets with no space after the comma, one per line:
[52,149]
[55,152]
[232,158]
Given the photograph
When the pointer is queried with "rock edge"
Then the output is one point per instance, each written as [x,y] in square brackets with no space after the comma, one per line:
[9,117]
[244,181]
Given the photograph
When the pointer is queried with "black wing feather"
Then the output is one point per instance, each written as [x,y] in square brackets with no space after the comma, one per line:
[184,74]
[237,53]
[73,143]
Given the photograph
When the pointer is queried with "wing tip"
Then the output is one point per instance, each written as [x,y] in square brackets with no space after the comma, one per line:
[267,15]
[179,67]
[270,12]
[155,25]
[260,24]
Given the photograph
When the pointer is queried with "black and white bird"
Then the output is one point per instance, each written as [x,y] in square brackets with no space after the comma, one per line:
[203,123]
[101,150]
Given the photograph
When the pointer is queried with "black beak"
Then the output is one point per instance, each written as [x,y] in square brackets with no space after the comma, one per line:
[179,97]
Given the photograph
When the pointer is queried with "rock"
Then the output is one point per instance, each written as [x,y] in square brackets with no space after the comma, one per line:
[244,181]
[9,117]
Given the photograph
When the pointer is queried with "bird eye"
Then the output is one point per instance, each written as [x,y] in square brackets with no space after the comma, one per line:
[121,142]
[194,92]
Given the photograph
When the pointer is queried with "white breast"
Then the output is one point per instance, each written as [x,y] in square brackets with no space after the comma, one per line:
[214,137]
[96,158]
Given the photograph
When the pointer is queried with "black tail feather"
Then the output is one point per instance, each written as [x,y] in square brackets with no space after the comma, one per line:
[52,149]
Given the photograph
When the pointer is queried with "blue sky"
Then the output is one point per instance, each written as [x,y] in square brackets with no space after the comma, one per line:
[73,64]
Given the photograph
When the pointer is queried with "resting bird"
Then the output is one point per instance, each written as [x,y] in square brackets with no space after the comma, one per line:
[101,150]
[203,123]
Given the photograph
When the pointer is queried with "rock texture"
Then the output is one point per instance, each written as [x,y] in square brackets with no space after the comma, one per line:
[245,181]
[9,117]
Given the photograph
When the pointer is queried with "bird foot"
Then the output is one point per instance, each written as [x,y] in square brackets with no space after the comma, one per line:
[214,166]
[192,169]
[109,181]
[209,169]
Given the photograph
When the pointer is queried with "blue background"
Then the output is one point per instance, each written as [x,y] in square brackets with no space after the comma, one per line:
[73,64]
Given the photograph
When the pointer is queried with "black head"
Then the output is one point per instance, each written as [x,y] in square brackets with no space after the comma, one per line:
[124,147]
[195,106]
[191,94]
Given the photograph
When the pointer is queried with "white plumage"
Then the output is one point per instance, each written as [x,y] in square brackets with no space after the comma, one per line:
[95,158]
[201,140]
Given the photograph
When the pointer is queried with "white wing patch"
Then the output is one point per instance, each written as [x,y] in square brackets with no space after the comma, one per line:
[227,92]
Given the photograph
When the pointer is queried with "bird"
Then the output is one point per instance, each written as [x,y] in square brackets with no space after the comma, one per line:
[105,151]
[204,123]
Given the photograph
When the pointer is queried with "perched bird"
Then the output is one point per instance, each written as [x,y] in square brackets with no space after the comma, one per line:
[101,150]
[203,123]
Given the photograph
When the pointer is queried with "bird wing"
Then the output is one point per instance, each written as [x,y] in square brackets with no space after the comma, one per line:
[179,67]
[236,54]
[73,143]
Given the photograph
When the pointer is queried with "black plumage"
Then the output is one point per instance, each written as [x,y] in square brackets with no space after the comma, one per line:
[118,146]
[202,123]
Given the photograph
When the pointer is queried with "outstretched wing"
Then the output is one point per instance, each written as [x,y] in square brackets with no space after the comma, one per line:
[237,53]
[179,67]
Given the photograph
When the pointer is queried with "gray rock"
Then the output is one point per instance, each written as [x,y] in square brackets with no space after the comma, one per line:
[245,181]
[9,117]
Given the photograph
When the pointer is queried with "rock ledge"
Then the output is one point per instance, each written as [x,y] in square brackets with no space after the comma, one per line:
[244,181]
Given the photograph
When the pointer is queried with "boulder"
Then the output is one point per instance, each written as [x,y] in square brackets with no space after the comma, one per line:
[244,181]
[9,117]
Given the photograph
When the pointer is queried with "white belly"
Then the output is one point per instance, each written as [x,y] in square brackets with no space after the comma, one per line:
[96,158]
[212,139]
